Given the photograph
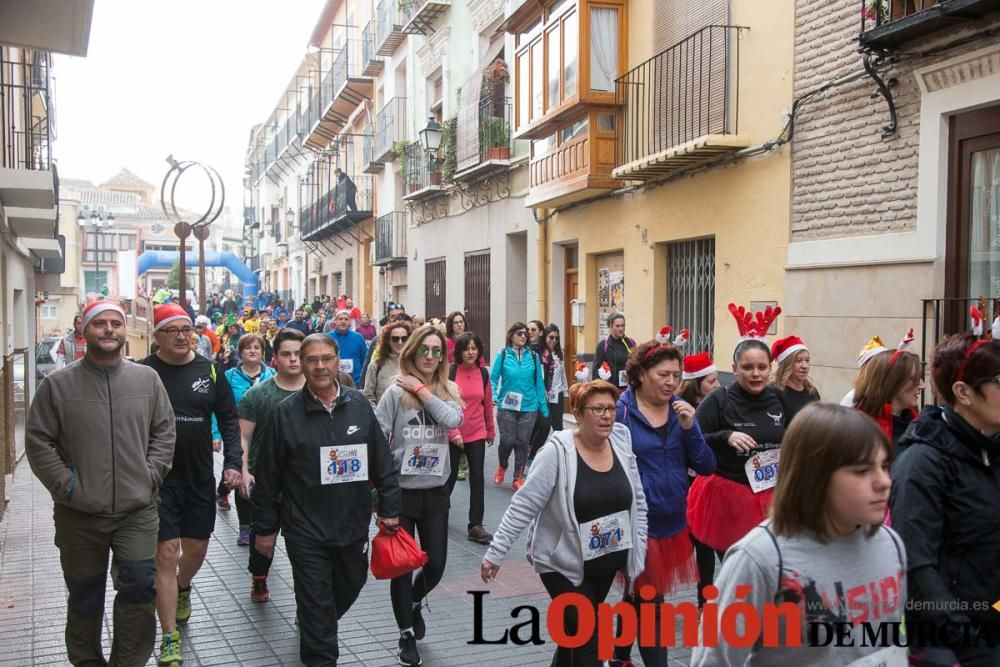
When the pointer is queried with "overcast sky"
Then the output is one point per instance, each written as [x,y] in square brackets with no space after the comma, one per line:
[187,77]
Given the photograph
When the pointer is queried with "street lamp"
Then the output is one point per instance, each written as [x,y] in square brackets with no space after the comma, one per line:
[98,221]
[290,217]
[430,136]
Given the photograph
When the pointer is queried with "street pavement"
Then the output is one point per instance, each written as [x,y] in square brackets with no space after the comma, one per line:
[226,628]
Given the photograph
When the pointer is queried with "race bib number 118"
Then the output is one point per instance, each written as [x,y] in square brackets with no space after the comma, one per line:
[340,464]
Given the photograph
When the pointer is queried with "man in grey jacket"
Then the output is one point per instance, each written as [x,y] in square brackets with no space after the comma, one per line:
[100,437]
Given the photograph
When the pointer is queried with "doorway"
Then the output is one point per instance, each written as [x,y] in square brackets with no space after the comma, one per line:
[434,289]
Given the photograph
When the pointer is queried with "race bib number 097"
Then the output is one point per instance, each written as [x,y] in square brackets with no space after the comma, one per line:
[340,464]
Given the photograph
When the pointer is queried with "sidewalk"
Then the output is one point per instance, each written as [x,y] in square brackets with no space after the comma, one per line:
[227,629]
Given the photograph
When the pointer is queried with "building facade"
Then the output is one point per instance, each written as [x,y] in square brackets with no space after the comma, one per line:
[895,221]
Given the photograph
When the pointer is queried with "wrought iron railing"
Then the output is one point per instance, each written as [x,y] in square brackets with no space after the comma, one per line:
[876,13]
[25,110]
[368,143]
[388,22]
[390,126]
[688,91]
[483,133]
[368,44]
[336,204]
[390,238]
[422,170]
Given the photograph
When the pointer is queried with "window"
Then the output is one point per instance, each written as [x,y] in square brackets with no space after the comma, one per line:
[49,312]
[94,280]
[577,129]
[571,46]
[522,96]
[537,80]
[603,48]
[691,290]
[553,99]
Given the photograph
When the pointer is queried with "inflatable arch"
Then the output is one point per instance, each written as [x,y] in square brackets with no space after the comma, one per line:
[152,259]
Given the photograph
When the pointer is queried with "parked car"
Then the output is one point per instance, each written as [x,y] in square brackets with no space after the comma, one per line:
[46,359]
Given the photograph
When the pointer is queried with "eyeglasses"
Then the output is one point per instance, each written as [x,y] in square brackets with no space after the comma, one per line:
[325,359]
[399,339]
[599,410]
[553,337]
[522,332]
[435,352]
[174,331]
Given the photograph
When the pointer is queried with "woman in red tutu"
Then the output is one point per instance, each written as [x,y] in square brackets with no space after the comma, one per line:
[666,441]
[743,423]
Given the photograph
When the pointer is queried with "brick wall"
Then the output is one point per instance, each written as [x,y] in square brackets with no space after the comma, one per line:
[848,180]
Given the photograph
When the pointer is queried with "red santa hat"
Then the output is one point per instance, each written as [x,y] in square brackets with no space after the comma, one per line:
[582,372]
[786,347]
[168,313]
[604,372]
[92,310]
[682,338]
[698,366]
[663,335]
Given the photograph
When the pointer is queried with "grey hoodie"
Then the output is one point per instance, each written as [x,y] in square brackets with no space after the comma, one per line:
[546,503]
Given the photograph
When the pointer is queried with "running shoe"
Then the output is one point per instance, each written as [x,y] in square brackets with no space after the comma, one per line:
[518,483]
[170,649]
[499,475]
[244,539]
[183,604]
[479,535]
[224,502]
[419,627]
[259,592]
[408,655]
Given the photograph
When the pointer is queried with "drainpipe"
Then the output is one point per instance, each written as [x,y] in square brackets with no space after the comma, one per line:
[541,252]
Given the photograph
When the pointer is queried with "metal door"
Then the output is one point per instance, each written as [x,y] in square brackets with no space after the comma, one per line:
[477,297]
[691,291]
[434,289]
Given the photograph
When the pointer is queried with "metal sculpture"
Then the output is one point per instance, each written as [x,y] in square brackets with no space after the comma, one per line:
[184,228]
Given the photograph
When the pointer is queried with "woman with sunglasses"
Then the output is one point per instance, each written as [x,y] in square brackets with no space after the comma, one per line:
[556,386]
[519,393]
[417,413]
[585,510]
[384,365]
[945,485]
[667,442]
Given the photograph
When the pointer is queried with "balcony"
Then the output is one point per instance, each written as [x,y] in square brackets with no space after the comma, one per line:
[423,177]
[390,239]
[351,87]
[285,136]
[680,108]
[320,123]
[388,27]
[372,166]
[337,210]
[28,180]
[483,139]
[390,129]
[419,15]
[372,64]
[890,24]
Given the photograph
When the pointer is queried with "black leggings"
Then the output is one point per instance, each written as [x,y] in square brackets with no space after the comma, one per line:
[595,590]
[475,453]
[432,534]
[705,557]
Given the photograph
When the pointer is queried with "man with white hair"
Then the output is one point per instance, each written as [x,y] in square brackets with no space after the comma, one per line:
[203,344]
[351,344]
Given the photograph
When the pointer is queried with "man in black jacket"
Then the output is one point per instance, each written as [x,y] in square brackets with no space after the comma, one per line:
[320,452]
[614,350]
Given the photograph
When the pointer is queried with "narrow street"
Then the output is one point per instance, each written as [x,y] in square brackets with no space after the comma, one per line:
[227,629]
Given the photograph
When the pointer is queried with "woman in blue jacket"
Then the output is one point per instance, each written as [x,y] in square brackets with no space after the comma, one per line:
[518,393]
[666,440]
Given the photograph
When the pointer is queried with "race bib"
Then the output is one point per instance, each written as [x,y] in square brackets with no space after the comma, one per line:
[346,365]
[512,401]
[890,656]
[552,396]
[622,378]
[424,460]
[762,470]
[606,535]
[341,464]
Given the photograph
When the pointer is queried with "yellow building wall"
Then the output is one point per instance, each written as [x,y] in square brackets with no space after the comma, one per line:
[745,205]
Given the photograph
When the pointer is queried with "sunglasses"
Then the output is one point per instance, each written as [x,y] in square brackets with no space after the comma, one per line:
[522,332]
[435,352]
[399,339]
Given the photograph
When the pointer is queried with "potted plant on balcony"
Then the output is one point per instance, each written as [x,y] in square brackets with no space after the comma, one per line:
[405,6]
[499,148]
[495,76]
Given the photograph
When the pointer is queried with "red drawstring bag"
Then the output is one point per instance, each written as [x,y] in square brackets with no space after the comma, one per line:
[395,554]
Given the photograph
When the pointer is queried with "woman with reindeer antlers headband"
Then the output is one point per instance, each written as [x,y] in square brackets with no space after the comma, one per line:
[743,423]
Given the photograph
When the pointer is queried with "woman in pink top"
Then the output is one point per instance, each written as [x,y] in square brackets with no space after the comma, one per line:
[477,430]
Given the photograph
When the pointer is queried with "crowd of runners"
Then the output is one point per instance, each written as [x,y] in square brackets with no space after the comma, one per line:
[665,470]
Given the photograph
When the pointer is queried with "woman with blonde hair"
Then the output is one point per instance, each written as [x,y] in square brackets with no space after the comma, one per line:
[792,374]
[416,414]
[888,390]
[384,364]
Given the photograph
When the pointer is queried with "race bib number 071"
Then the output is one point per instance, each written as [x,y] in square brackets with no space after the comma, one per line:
[340,464]
[606,535]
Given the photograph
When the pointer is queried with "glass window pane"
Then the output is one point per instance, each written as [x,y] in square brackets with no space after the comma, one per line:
[606,122]
[553,69]
[984,220]
[571,47]
[603,49]
[558,7]
[522,89]
[577,129]
[537,79]
[543,146]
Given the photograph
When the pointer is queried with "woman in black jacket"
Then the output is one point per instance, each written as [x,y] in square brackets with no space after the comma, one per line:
[945,488]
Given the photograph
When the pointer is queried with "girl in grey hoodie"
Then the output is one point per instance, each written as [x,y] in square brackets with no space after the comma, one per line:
[584,502]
